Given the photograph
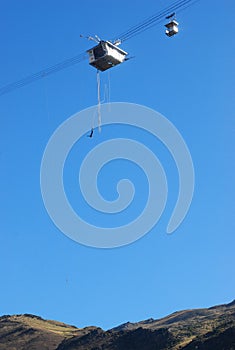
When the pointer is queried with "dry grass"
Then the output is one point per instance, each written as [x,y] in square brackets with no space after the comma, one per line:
[48,326]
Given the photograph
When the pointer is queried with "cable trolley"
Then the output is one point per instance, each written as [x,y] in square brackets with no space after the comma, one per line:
[106,55]
[172,25]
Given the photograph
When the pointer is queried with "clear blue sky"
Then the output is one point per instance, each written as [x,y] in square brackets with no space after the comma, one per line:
[189,79]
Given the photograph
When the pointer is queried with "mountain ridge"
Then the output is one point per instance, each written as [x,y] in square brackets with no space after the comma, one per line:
[201,329]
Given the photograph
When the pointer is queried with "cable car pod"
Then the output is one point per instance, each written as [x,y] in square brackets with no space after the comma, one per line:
[106,55]
[172,28]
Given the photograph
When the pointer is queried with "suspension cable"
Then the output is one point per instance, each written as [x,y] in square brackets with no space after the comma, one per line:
[155,19]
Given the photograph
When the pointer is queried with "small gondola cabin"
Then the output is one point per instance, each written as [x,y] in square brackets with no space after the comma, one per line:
[172,28]
[106,55]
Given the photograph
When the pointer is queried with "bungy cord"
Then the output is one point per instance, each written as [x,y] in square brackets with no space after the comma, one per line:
[98,106]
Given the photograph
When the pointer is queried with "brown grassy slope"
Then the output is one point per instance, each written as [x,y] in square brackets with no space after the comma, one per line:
[201,329]
[190,329]
[29,332]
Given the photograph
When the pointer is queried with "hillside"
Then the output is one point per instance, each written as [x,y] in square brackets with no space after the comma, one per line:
[201,329]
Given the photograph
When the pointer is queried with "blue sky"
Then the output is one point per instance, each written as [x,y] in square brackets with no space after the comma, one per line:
[190,80]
